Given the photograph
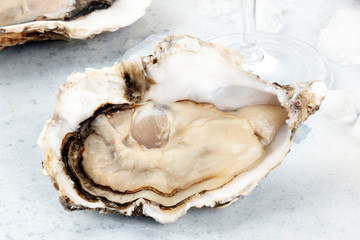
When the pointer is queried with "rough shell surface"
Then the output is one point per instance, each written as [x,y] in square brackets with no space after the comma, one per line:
[120,14]
[181,67]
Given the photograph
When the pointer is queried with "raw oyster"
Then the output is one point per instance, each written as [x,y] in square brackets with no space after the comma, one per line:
[184,127]
[22,21]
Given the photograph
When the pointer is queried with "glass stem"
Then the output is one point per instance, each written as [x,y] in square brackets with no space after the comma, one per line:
[249,46]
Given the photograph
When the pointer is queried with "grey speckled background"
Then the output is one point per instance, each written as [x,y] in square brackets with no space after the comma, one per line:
[314,194]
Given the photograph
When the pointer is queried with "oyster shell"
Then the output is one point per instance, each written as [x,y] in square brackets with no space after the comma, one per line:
[23,21]
[184,127]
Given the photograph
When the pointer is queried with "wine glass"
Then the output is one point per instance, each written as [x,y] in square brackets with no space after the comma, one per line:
[275,57]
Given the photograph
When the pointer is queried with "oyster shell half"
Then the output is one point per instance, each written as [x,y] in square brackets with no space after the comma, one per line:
[23,21]
[184,127]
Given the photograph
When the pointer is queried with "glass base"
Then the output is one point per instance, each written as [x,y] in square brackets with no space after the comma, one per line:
[283,60]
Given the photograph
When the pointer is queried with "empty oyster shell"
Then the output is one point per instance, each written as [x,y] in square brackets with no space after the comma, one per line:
[23,21]
[184,127]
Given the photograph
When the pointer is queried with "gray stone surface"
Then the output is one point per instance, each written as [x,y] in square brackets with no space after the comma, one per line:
[314,194]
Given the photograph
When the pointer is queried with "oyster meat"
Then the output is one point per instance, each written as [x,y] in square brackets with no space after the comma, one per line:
[184,127]
[20,11]
[36,20]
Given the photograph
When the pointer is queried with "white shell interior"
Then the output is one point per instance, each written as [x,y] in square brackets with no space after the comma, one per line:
[186,68]
[122,13]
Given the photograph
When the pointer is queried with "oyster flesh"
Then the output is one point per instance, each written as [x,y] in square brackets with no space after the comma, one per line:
[184,127]
[36,20]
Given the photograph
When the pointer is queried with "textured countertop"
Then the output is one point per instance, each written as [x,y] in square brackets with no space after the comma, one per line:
[314,194]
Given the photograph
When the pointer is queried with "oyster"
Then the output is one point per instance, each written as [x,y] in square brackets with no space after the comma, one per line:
[22,21]
[184,127]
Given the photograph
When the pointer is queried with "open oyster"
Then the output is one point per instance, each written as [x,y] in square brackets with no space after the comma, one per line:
[184,127]
[36,20]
